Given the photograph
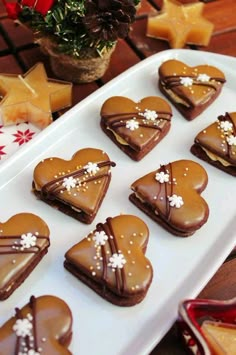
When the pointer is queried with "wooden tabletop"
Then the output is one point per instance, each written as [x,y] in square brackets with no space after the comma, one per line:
[18,53]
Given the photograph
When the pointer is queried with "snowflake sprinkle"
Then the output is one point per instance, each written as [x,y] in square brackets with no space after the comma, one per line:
[162,177]
[91,168]
[32,352]
[100,238]
[117,261]
[28,240]
[22,327]
[69,183]
[150,114]
[132,125]
[186,81]
[226,126]
[24,331]
[203,77]
[231,140]
[176,201]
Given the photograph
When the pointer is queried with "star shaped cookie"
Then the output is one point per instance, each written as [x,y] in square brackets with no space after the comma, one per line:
[180,24]
[32,97]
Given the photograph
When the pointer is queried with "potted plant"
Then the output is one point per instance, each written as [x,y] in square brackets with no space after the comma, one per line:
[78,35]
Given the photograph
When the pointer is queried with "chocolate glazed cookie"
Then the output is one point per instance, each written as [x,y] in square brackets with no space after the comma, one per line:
[43,326]
[111,260]
[75,187]
[24,240]
[216,144]
[136,127]
[170,195]
[190,89]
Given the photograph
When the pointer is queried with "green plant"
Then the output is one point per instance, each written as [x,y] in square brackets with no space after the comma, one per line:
[78,24]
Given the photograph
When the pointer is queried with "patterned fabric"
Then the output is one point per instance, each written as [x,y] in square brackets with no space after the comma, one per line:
[14,137]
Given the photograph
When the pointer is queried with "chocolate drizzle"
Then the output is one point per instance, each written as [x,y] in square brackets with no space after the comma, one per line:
[167,193]
[228,118]
[28,342]
[9,250]
[119,273]
[119,120]
[18,339]
[174,80]
[33,307]
[51,189]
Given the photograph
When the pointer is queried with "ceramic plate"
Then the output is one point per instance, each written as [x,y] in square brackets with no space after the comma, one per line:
[182,266]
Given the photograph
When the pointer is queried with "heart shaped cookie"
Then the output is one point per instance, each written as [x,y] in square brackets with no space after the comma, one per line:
[111,260]
[43,326]
[216,144]
[170,195]
[24,240]
[190,89]
[76,187]
[136,128]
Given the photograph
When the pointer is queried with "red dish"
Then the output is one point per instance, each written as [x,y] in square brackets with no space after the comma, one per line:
[192,314]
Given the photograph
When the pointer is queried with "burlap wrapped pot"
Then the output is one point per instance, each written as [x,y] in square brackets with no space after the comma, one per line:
[89,66]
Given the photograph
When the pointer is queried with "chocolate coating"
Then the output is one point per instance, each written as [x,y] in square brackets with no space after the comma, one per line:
[216,144]
[136,128]
[18,254]
[174,202]
[69,186]
[125,239]
[190,89]
[51,321]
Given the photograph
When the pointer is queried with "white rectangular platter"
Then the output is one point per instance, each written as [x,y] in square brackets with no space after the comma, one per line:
[182,266]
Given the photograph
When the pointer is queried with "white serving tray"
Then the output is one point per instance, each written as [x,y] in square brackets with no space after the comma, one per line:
[182,266]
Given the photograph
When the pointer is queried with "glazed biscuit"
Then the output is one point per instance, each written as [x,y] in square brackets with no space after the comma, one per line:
[136,128]
[75,187]
[43,326]
[111,260]
[190,89]
[24,240]
[170,195]
[216,144]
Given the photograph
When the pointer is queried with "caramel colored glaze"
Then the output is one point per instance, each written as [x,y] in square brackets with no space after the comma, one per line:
[187,179]
[118,110]
[50,173]
[215,139]
[52,327]
[15,262]
[200,92]
[127,235]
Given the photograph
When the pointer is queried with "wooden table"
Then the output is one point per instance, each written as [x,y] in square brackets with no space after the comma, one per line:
[18,53]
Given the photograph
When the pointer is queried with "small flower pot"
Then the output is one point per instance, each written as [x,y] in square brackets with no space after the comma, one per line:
[89,67]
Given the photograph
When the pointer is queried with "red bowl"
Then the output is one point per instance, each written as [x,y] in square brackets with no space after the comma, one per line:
[192,314]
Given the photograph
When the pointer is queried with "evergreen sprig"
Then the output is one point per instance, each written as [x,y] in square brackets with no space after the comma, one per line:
[64,23]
